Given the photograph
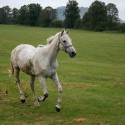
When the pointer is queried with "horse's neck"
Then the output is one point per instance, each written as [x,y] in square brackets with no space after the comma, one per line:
[49,51]
[53,49]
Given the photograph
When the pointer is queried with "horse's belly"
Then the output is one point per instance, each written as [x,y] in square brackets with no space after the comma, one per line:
[28,69]
[50,72]
[46,72]
[26,66]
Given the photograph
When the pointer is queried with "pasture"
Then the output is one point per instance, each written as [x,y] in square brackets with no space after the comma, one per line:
[93,82]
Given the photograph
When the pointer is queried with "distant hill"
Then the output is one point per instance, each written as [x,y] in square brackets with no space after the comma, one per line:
[122,21]
[83,10]
[60,12]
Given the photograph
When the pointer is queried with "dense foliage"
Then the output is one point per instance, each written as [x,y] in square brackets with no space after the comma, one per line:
[99,17]
[96,16]
[112,15]
[71,14]
[32,15]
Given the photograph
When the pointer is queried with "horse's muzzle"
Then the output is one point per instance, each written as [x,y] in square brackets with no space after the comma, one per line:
[72,54]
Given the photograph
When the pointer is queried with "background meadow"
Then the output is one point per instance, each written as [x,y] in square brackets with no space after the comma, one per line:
[93,82]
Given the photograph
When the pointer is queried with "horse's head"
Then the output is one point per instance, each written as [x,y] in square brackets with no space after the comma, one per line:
[65,43]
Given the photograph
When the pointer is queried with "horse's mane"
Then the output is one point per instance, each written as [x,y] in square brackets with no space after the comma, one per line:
[41,45]
[51,38]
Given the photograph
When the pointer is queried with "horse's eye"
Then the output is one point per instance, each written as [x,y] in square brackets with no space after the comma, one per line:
[64,41]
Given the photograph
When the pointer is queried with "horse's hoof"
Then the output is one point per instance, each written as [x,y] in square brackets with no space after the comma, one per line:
[40,99]
[22,100]
[57,109]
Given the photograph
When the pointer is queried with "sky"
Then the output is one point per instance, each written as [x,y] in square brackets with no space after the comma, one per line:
[53,3]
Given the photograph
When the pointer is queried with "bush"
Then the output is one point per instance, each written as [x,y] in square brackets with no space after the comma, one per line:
[122,27]
[57,23]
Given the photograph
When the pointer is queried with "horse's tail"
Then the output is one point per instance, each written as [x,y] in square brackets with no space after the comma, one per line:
[11,72]
[12,69]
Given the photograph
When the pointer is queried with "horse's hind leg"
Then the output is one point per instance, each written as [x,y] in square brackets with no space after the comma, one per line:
[17,71]
[36,103]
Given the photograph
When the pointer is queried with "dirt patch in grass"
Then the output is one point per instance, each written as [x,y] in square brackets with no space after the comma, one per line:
[79,120]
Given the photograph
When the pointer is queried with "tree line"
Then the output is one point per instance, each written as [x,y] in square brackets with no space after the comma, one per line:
[100,17]
[32,15]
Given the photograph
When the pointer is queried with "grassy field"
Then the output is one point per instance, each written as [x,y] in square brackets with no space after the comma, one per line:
[93,82]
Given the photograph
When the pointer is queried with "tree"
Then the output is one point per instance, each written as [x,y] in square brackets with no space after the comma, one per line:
[71,14]
[97,15]
[33,14]
[7,11]
[5,15]
[2,16]
[85,23]
[15,15]
[47,16]
[23,15]
[112,15]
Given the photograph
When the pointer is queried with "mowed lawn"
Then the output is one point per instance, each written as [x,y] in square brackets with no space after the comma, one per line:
[93,82]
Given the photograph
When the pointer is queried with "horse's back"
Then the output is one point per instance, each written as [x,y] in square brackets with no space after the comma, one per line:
[22,49]
[24,46]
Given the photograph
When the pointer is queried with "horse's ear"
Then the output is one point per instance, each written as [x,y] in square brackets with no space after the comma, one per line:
[67,31]
[62,31]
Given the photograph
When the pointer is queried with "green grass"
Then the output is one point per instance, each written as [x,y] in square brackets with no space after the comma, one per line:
[93,82]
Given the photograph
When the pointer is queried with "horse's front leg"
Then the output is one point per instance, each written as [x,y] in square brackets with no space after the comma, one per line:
[57,83]
[43,83]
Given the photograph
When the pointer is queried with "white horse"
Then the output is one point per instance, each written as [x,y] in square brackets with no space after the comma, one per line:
[41,62]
